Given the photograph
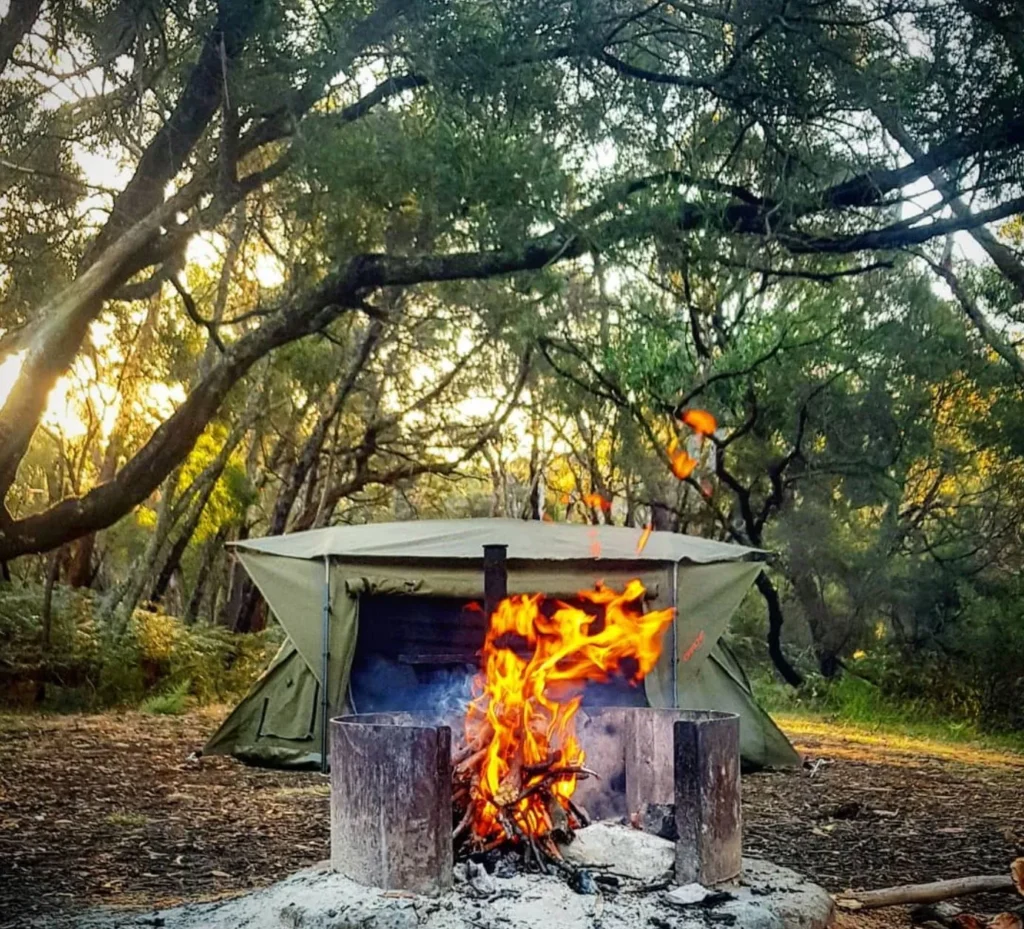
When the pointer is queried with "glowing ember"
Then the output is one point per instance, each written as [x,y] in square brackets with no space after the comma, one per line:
[644,536]
[682,464]
[703,424]
[700,421]
[519,768]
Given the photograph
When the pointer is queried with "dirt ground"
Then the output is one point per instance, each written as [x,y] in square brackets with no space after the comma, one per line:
[112,810]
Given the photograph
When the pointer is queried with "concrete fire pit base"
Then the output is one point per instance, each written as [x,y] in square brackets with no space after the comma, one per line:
[765,896]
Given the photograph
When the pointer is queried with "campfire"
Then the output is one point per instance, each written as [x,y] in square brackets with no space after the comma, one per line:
[516,771]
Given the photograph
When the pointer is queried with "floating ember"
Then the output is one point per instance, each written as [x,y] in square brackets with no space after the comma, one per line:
[517,771]
[700,421]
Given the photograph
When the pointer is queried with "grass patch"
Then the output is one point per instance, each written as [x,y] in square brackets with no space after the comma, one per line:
[853,704]
[173,702]
[871,743]
[126,820]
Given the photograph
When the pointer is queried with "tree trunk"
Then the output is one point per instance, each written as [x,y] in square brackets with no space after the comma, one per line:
[172,561]
[819,621]
[536,497]
[177,551]
[251,617]
[235,586]
[128,593]
[20,16]
[775,618]
[47,614]
[210,553]
[80,572]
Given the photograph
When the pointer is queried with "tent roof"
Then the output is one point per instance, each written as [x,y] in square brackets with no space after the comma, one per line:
[454,539]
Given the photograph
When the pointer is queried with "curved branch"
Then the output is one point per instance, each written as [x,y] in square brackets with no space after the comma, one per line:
[21,15]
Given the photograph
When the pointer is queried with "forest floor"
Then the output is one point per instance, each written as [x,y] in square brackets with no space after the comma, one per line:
[111,810]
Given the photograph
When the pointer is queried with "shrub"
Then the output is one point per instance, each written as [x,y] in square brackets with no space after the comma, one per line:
[148,660]
[172,703]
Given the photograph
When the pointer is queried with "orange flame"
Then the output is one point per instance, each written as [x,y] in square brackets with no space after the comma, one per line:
[682,464]
[644,536]
[597,502]
[700,421]
[538,655]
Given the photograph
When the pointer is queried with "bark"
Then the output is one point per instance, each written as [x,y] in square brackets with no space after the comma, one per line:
[21,16]
[974,313]
[80,572]
[55,342]
[211,551]
[236,586]
[819,620]
[138,213]
[177,551]
[174,142]
[535,500]
[252,616]
[47,613]
[220,302]
[924,893]
[240,611]
[775,620]
[193,502]
[126,595]
[663,517]
[497,476]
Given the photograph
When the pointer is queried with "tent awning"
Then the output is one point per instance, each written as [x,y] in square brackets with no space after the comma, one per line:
[455,539]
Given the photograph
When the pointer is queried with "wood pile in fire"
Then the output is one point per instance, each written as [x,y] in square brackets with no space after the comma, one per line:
[516,770]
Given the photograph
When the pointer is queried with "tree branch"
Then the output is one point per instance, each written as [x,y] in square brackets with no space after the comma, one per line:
[21,15]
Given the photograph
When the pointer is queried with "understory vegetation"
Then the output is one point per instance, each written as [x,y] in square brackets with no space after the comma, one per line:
[967,685]
[155,662]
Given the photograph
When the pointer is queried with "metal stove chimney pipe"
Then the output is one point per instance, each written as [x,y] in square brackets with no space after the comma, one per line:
[495,576]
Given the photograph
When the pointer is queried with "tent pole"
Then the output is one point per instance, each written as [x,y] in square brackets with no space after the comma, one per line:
[675,634]
[495,577]
[325,656]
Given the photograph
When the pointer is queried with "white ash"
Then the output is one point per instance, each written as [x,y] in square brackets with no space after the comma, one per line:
[765,897]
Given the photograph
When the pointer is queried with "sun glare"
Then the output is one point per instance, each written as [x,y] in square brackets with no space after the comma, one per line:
[9,369]
[81,402]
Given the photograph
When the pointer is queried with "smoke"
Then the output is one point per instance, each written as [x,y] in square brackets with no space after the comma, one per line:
[440,693]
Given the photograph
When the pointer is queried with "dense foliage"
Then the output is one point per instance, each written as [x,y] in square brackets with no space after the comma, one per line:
[269,265]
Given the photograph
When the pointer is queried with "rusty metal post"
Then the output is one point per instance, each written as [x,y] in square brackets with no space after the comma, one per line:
[495,577]
[391,802]
[707,795]
[602,735]
[650,758]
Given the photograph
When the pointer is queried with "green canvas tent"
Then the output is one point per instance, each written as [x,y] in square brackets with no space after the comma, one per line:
[345,591]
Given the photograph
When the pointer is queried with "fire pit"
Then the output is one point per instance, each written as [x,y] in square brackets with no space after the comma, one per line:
[391,801]
[502,801]
[671,772]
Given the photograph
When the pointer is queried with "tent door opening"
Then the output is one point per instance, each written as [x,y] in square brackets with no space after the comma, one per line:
[421,653]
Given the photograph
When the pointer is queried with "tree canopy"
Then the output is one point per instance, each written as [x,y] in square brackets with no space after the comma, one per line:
[269,264]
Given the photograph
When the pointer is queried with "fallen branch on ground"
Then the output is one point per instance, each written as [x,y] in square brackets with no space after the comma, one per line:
[935,891]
